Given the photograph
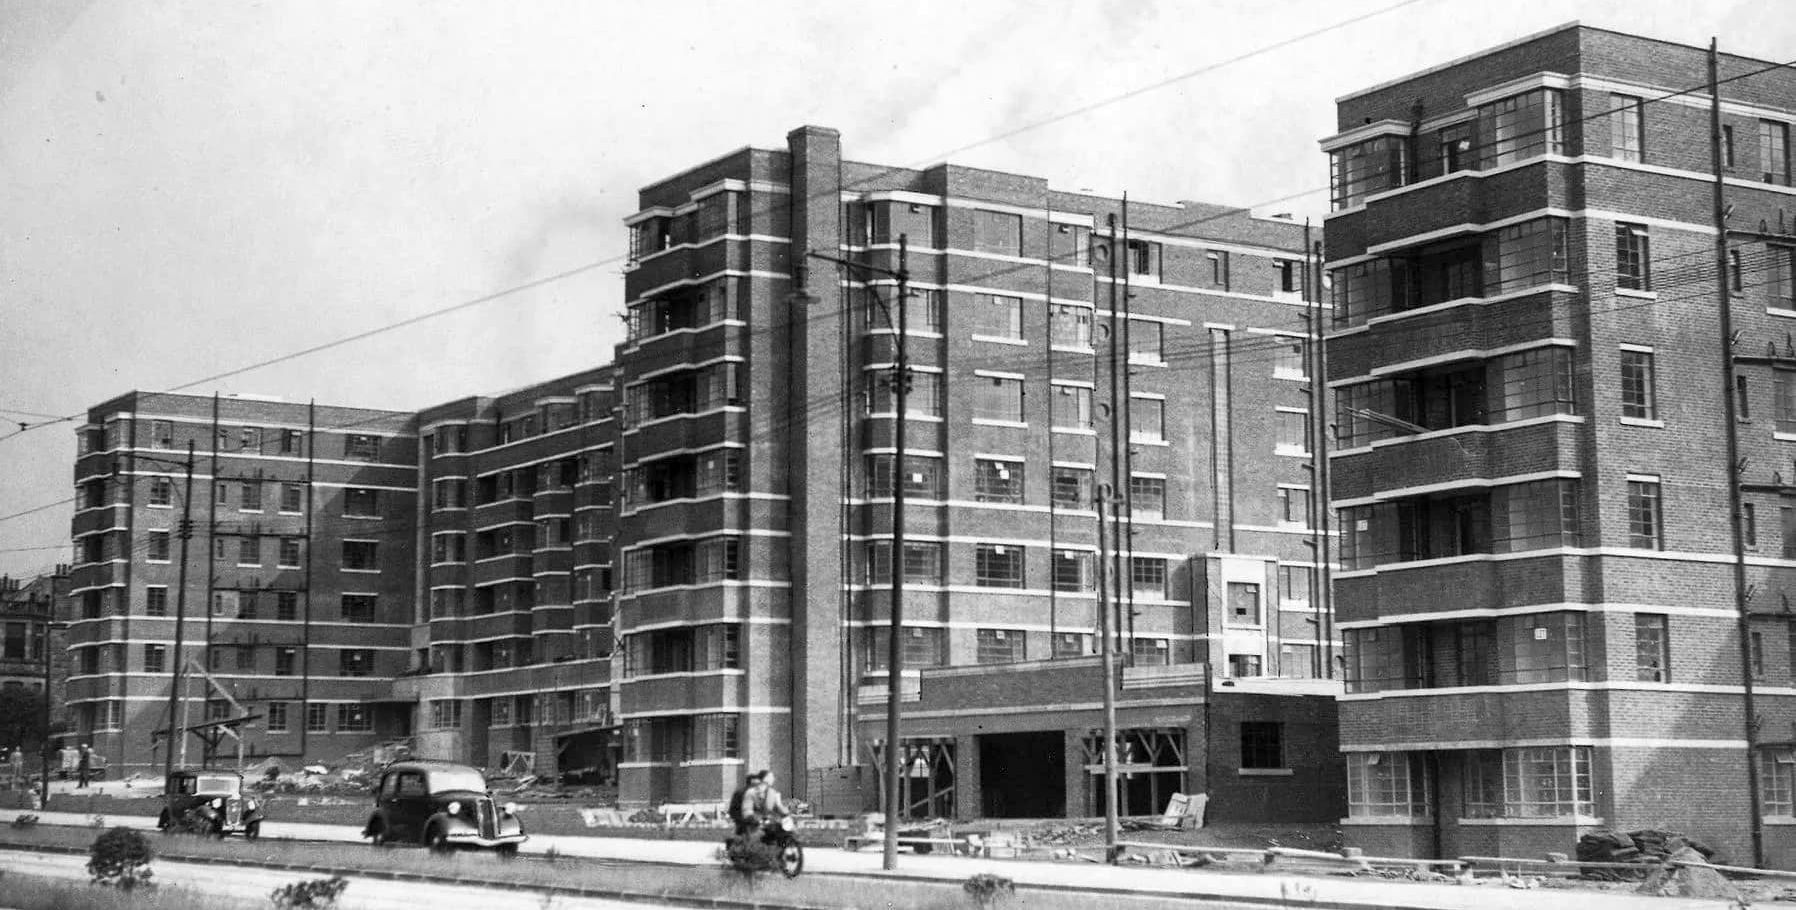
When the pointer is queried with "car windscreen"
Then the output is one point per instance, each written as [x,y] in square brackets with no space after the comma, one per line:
[443,780]
[215,783]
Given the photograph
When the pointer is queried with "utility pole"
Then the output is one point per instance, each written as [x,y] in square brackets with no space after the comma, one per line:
[1106,632]
[185,531]
[1742,600]
[901,380]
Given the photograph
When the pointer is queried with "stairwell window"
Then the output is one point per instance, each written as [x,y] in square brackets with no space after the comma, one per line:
[1147,419]
[1652,648]
[1627,129]
[1774,152]
[1633,257]
[1782,289]
[1645,522]
[1639,396]
[1147,497]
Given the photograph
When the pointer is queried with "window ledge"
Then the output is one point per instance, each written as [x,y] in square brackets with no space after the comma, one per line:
[988,422]
[1653,423]
[1782,436]
[1267,772]
[1783,821]
[1000,339]
[1087,431]
[1780,311]
[1545,821]
[1640,295]
[1402,821]
[1148,441]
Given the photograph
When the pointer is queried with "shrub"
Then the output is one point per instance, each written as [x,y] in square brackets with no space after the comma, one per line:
[24,821]
[986,889]
[120,858]
[318,893]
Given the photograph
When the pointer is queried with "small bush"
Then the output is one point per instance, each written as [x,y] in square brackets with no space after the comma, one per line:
[319,893]
[120,858]
[987,889]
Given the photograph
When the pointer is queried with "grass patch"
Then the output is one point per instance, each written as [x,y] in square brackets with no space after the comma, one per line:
[32,892]
[822,891]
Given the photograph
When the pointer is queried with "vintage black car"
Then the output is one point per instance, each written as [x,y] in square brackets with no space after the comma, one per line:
[211,803]
[443,806]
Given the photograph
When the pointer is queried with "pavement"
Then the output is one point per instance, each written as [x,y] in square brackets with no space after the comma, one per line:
[1268,887]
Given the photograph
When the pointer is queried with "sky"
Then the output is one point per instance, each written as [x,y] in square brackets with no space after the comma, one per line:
[188,188]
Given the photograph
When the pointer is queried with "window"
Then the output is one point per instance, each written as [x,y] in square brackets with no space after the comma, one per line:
[1147,419]
[1147,497]
[354,718]
[275,714]
[289,555]
[155,601]
[1071,487]
[1756,653]
[359,607]
[1638,390]
[1749,524]
[1782,289]
[1633,257]
[1295,583]
[1288,361]
[1219,268]
[361,447]
[1151,652]
[1549,782]
[221,494]
[998,565]
[1742,401]
[997,232]
[1294,506]
[1529,255]
[162,491]
[1388,785]
[1070,407]
[1364,168]
[1534,515]
[1147,577]
[1073,571]
[155,658]
[249,551]
[1530,384]
[286,605]
[997,316]
[1144,259]
[1645,528]
[156,546]
[292,498]
[1244,665]
[921,647]
[1777,779]
[252,497]
[162,434]
[1522,127]
[361,503]
[1543,647]
[1244,603]
[1293,432]
[1001,646]
[317,717]
[1071,644]
[445,714]
[1627,132]
[1147,341]
[925,398]
[1727,145]
[922,476]
[361,555]
[250,439]
[716,736]
[1069,326]
[354,661]
[1774,151]
[290,441]
[1262,744]
[923,562]
[922,312]
[1652,648]
[1284,275]
[997,481]
[998,398]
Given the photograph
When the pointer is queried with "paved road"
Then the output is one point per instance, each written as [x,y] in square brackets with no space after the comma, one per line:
[253,886]
[1337,890]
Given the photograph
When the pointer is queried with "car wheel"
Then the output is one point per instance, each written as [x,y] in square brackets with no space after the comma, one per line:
[217,831]
[437,840]
[377,835]
[791,860]
[507,851]
[253,830]
[162,822]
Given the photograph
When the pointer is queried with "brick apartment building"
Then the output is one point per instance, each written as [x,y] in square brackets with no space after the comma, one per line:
[672,568]
[30,643]
[1531,469]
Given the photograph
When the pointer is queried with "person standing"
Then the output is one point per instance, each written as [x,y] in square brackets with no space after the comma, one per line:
[84,766]
[16,761]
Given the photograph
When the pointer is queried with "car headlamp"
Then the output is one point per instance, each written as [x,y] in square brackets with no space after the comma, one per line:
[217,803]
[511,808]
[455,808]
[249,804]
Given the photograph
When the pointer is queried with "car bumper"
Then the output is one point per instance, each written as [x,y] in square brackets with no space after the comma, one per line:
[473,839]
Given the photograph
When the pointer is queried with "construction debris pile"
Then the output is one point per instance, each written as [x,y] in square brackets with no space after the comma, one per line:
[1647,848]
[354,773]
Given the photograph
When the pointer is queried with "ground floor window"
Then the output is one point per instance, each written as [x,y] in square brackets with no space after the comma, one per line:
[1777,781]
[1388,785]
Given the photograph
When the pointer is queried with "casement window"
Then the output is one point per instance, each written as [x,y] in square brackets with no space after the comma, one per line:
[1533,383]
[1646,529]
[289,553]
[1534,515]
[162,434]
[1073,571]
[1774,152]
[922,311]
[1147,497]
[1000,646]
[354,718]
[1152,652]
[1071,487]
[361,447]
[359,607]
[1547,782]
[155,600]
[249,551]
[996,316]
[1147,577]
[1294,506]
[1542,647]
[275,713]
[920,647]
[997,480]
[1284,276]
[317,717]
[1147,419]
[1652,648]
[359,502]
[1293,428]
[1365,289]
[1262,744]
[156,546]
[998,565]
[924,562]
[292,498]
[445,714]
[1288,358]
[162,491]
[361,555]
[997,232]
[922,476]
[715,737]
[1521,127]
[924,399]
[447,494]
[355,661]
[1147,341]
[1071,246]
[286,605]
[1777,782]
[1529,255]
[1072,644]
[292,441]
[1143,259]
[1388,785]
[1782,287]
[1365,168]
[1633,257]
[1639,387]
[998,398]
[1627,128]
[1295,583]
[1069,326]
[252,497]
[155,658]
[1070,407]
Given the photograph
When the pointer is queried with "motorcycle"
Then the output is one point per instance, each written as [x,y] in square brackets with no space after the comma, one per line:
[773,845]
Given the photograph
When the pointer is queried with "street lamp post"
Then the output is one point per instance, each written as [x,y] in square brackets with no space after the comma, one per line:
[894,637]
[185,530]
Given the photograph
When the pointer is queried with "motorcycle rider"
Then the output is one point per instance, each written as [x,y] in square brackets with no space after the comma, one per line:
[740,812]
[763,803]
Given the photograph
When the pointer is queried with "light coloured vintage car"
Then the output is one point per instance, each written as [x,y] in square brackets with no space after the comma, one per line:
[443,806]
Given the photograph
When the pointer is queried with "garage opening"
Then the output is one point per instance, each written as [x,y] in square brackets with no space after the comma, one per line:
[1150,768]
[1022,775]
